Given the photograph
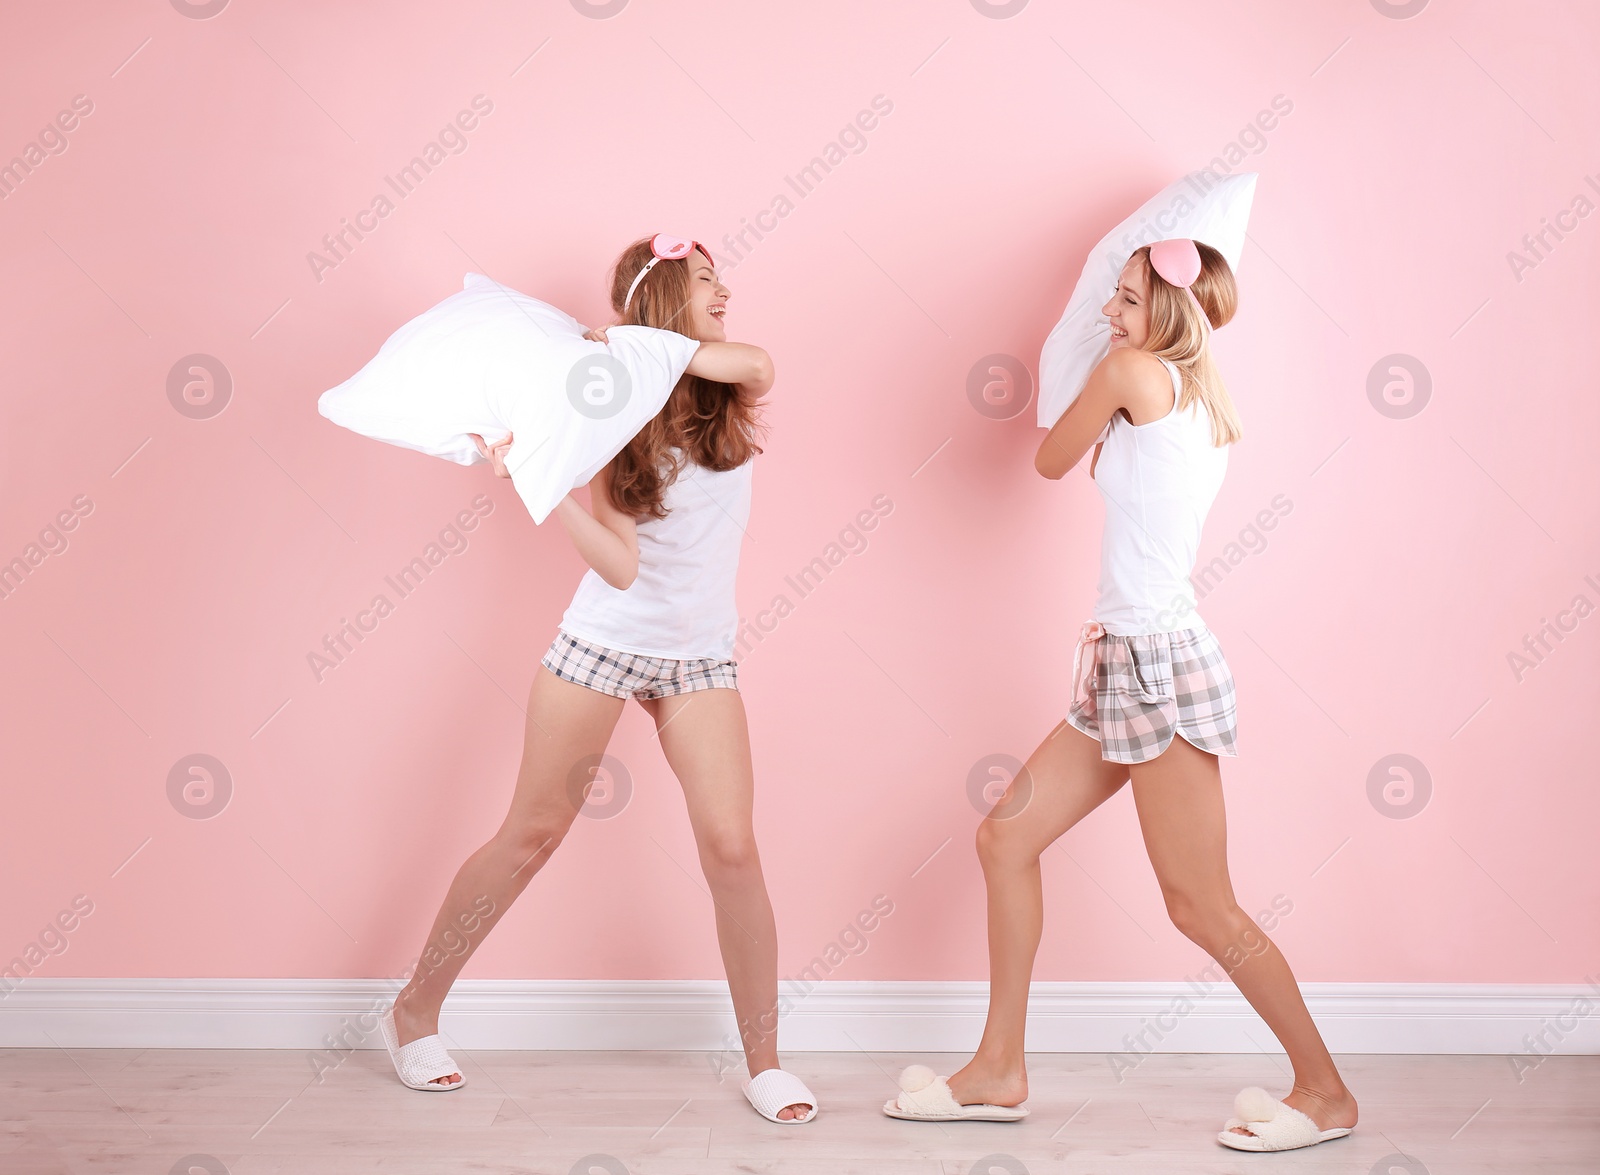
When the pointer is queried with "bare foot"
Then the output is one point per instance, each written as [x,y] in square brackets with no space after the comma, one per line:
[410,1025]
[980,1083]
[1329,1113]
[800,1110]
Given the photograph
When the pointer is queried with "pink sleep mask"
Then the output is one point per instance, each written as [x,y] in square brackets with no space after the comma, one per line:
[665,247]
[1178,263]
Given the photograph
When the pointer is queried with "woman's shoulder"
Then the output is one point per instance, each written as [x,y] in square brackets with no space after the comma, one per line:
[1144,382]
[1137,371]
[1136,363]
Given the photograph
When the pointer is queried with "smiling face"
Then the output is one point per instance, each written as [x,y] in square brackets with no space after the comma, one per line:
[708,300]
[1129,308]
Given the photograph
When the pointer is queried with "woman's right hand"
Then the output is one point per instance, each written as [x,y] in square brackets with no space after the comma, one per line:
[597,335]
[495,452]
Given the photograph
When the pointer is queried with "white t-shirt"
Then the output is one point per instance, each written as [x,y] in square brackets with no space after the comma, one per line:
[1157,481]
[681,605]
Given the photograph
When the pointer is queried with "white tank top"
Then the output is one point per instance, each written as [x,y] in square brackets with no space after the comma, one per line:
[681,605]
[1157,481]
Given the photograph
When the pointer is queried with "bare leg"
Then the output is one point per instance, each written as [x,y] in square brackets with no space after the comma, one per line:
[707,744]
[579,722]
[1062,782]
[1179,798]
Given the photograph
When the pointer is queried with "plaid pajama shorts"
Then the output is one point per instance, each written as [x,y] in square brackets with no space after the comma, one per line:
[634,675]
[1135,693]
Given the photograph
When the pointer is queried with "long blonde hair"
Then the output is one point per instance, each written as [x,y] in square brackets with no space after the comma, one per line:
[712,423]
[1178,335]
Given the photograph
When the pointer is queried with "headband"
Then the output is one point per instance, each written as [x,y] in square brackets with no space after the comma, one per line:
[664,248]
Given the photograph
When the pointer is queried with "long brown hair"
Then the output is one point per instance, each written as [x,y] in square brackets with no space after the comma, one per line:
[1177,334]
[712,423]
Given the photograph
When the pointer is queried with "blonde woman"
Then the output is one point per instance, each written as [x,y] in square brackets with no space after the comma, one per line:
[654,620]
[1153,702]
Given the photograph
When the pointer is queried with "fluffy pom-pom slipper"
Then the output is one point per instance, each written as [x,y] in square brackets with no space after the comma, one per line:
[926,1097]
[1273,1125]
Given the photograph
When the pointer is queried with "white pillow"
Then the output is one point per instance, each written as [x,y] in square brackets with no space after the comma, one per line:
[1216,215]
[492,361]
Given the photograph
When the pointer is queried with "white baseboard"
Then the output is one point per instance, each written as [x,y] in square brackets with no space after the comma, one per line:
[321,1014]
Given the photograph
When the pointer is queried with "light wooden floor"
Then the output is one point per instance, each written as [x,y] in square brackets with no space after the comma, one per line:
[130,1112]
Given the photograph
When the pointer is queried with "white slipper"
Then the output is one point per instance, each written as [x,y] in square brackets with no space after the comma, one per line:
[926,1097]
[422,1063]
[1273,1125]
[772,1089]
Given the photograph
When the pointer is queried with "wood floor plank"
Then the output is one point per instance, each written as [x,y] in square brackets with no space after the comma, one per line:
[130,1112]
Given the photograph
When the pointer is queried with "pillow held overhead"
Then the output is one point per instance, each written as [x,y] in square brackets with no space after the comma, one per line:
[1216,215]
[490,360]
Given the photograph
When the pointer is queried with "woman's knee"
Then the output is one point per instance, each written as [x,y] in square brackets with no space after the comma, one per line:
[1000,842]
[1211,921]
[534,836]
[728,851]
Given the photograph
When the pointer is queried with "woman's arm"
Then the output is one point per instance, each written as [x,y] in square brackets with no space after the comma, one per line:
[1116,382]
[746,366]
[608,539]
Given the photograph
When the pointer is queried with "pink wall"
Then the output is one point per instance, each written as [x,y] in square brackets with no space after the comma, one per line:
[1408,557]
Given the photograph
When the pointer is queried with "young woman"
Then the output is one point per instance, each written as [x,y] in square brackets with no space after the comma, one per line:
[653,619]
[1146,671]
